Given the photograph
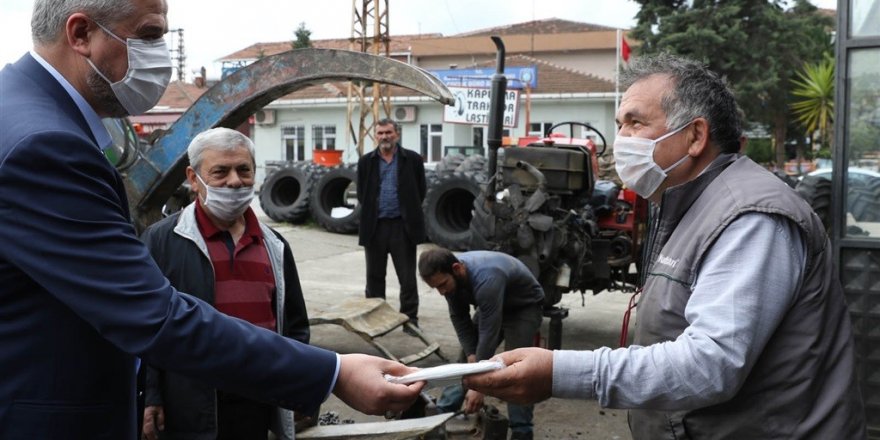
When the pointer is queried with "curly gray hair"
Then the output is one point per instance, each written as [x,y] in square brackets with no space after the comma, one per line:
[697,92]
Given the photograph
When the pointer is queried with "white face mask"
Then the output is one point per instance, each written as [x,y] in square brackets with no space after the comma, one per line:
[634,161]
[227,204]
[149,71]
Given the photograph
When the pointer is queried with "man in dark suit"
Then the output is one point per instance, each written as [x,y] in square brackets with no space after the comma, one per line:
[391,187]
[80,297]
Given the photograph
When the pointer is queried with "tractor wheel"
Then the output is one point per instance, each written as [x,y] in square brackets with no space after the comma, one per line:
[181,197]
[817,192]
[791,181]
[864,204]
[447,208]
[482,226]
[473,163]
[449,164]
[337,188]
[284,195]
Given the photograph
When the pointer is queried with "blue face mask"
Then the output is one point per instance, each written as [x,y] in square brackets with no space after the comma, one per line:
[148,75]
[634,161]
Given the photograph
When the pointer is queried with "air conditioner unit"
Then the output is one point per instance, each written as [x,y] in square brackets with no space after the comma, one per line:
[405,113]
[264,117]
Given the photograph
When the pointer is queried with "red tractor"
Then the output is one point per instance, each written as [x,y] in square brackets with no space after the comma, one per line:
[549,209]
[544,204]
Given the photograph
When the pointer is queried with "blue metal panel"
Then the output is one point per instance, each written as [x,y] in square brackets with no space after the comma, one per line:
[160,169]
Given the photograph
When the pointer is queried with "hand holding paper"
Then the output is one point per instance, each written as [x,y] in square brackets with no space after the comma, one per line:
[362,386]
[528,377]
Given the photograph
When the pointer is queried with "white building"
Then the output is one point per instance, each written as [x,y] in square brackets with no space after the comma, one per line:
[571,67]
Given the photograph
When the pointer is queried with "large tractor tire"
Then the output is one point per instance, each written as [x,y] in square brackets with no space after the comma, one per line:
[817,192]
[449,164]
[284,195]
[475,163]
[448,209]
[791,181]
[337,188]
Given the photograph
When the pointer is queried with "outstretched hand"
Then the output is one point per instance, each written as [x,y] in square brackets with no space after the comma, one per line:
[527,378]
[361,384]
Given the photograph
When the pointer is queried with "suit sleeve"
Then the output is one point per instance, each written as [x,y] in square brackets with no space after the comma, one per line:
[69,232]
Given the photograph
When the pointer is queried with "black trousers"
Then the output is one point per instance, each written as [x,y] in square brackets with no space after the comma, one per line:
[390,238]
[241,418]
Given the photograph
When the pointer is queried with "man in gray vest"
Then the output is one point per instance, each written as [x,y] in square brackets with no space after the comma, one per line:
[743,330]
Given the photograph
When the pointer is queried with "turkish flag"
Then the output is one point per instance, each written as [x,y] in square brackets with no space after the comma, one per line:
[624,49]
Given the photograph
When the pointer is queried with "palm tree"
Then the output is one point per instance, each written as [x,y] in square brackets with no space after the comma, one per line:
[814,110]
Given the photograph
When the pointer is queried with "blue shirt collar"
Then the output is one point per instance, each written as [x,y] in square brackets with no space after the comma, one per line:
[100,133]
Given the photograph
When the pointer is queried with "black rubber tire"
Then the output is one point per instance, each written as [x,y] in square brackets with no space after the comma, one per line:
[181,197]
[449,164]
[791,181]
[817,192]
[448,209]
[473,163]
[333,190]
[284,195]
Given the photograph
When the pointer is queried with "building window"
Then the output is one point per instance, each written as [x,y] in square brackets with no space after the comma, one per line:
[324,137]
[539,128]
[294,140]
[431,142]
[479,137]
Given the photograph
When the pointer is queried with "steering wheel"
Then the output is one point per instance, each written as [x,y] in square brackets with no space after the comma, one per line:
[572,124]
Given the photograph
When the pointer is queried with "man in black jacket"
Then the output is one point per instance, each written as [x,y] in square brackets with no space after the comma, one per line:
[391,187]
[218,251]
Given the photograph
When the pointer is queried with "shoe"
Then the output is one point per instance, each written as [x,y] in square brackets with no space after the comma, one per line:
[521,435]
[409,331]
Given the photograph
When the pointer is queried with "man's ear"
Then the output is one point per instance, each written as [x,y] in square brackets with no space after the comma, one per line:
[78,32]
[193,182]
[699,136]
[458,269]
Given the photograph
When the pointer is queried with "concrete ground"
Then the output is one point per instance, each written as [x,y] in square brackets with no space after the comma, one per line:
[331,269]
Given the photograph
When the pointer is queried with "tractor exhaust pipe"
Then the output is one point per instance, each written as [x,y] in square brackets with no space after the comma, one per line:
[496,116]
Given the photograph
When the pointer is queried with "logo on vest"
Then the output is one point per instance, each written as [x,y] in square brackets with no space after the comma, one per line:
[666,261]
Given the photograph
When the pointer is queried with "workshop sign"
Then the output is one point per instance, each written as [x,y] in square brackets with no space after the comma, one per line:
[517,77]
[472,106]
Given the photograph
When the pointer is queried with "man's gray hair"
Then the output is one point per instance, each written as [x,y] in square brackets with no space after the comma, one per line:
[219,139]
[696,92]
[50,16]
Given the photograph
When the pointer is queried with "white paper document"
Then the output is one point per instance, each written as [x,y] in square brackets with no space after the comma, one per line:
[446,372]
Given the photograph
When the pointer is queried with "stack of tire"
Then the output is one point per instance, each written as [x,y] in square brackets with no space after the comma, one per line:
[294,191]
[333,203]
[286,191]
[452,188]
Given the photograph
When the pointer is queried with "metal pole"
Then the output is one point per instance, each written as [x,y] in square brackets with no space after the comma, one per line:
[496,115]
[617,74]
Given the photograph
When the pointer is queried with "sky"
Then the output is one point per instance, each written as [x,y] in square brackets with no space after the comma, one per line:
[213,29]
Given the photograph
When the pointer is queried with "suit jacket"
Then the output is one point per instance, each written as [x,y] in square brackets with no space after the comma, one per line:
[80,296]
[410,191]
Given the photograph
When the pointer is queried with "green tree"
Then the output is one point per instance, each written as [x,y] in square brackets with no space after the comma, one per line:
[755,44]
[813,107]
[302,37]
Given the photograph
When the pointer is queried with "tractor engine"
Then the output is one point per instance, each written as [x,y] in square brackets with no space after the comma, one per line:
[546,213]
